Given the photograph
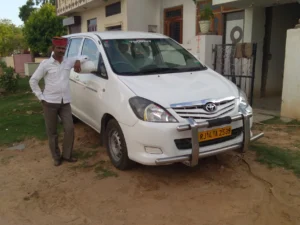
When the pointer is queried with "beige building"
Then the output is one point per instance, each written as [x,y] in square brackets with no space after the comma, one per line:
[93,15]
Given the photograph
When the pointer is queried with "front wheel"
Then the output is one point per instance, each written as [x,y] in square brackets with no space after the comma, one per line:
[116,146]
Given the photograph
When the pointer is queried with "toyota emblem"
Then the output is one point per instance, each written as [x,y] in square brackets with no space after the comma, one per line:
[210,107]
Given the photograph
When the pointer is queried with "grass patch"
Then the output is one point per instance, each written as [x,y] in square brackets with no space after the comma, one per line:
[21,115]
[297,144]
[6,160]
[103,171]
[278,121]
[83,155]
[274,156]
[83,165]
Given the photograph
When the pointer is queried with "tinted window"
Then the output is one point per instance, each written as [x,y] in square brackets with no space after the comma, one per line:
[92,25]
[74,47]
[131,57]
[113,9]
[118,27]
[171,55]
[90,49]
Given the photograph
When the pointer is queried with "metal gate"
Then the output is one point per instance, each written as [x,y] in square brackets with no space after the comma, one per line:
[237,63]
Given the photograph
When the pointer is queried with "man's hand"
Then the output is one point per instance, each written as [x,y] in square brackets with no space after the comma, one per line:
[77,66]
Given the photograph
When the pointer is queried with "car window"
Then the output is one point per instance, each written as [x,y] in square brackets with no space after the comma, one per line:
[74,47]
[142,53]
[171,54]
[131,57]
[90,49]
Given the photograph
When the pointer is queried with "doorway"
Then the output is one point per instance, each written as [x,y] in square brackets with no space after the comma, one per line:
[234,27]
[278,20]
[173,23]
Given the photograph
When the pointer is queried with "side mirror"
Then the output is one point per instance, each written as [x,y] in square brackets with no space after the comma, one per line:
[101,70]
[88,67]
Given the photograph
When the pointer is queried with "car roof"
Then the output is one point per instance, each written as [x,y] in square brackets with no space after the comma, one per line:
[119,35]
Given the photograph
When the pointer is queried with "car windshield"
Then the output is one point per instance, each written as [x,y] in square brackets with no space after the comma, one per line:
[131,57]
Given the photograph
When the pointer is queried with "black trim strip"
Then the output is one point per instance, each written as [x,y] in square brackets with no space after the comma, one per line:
[202,113]
[91,89]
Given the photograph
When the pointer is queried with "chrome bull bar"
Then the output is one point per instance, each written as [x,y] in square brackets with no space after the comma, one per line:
[193,158]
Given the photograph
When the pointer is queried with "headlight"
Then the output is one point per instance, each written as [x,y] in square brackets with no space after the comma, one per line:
[243,99]
[149,111]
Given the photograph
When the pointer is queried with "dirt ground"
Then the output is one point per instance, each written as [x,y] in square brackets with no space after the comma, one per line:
[220,191]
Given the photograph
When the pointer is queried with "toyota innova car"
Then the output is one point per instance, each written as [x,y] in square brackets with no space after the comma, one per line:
[153,102]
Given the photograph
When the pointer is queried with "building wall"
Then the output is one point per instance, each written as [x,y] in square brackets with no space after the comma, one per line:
[206,54]
[102,20]
[142,13]
[291,82]
[39,59]
[9,61]
[248,25]
[189,18]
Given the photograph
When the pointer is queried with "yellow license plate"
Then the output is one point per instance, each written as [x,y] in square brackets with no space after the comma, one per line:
[214,134]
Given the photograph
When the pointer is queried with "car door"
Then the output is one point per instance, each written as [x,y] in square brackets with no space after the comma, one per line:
[76,87]
[95,83]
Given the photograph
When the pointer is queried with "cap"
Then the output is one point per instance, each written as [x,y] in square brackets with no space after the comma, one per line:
[59,41]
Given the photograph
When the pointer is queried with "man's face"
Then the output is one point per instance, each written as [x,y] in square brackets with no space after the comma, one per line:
[59,50]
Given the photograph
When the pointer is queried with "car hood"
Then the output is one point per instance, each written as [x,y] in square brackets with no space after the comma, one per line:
[167,89]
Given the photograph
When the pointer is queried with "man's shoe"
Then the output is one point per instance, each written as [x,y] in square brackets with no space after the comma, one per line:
[57,162]
[71,160]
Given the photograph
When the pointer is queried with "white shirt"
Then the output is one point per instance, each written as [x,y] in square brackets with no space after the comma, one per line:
[56,77]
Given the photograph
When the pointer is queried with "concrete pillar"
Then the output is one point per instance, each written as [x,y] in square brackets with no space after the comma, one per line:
[290,106]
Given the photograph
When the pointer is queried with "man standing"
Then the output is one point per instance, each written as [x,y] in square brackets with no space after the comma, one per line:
[56,97]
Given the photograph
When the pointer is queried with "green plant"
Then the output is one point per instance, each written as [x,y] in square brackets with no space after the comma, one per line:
[41,26]
[11,38]
[2,65]
[277,157]
[8,79]
[206,13]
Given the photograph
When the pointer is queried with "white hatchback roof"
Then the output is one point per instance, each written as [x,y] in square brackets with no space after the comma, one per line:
[119,35]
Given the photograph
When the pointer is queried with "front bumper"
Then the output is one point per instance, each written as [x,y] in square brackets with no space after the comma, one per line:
[193,158]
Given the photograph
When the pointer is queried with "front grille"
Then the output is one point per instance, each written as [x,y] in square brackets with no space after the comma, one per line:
[197,111]
[186,143]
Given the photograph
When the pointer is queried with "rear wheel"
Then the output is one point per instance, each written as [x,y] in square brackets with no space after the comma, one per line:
[116,146]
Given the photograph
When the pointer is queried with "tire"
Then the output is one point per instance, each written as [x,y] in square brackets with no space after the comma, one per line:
[116,146]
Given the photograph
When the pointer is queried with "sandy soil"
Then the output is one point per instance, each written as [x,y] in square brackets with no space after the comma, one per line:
[220,191]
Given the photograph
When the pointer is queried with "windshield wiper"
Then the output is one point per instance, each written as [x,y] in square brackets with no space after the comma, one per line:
[162,70]
[193,69]
[159,70]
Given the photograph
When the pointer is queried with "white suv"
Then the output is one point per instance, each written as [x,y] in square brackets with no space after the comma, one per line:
[153,102]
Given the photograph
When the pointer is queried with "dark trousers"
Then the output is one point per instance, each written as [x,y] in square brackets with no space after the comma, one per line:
[51,113]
